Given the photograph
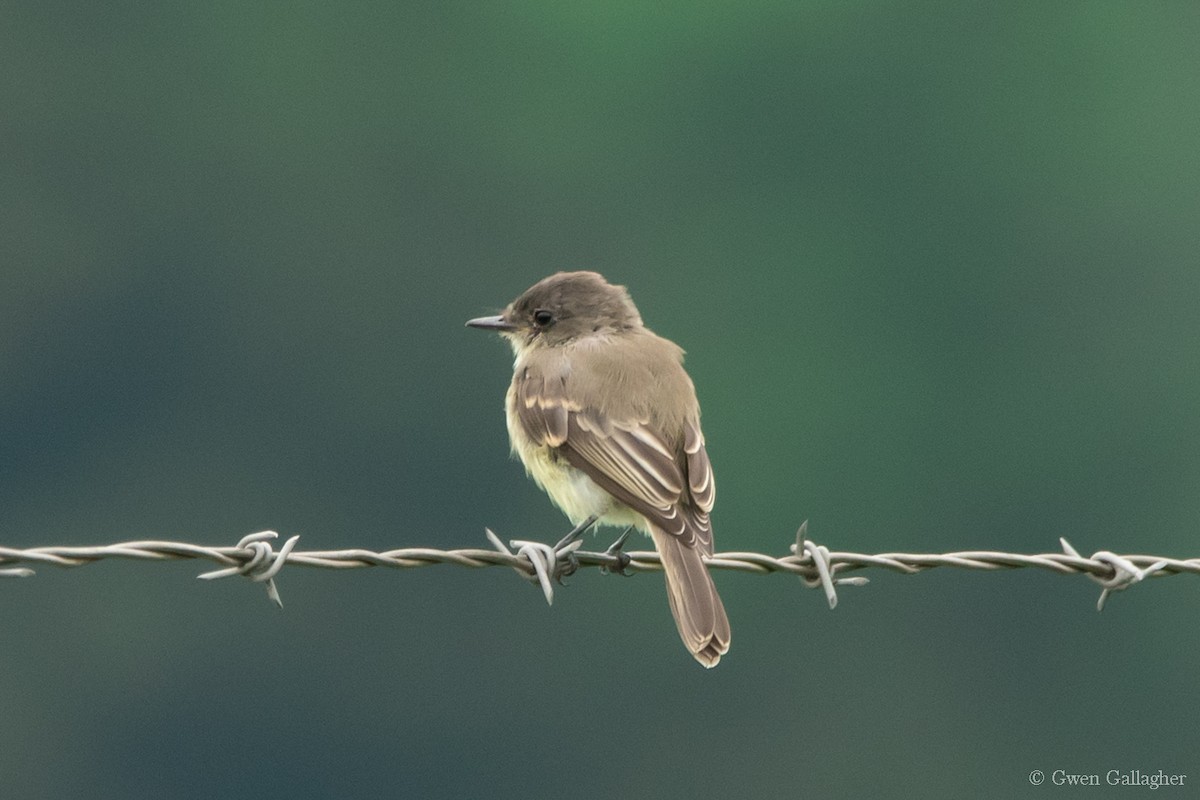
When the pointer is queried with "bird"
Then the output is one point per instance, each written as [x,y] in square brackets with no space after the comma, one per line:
[605,420]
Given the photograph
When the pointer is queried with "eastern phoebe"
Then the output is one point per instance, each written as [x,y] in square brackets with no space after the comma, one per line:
[606,421]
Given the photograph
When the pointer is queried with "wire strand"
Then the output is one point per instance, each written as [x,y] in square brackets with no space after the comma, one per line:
[254,558]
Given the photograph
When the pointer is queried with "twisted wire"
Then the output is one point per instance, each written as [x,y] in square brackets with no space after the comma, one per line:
[254,558]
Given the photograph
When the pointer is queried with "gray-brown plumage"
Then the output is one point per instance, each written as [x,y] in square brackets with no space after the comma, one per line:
[605,419]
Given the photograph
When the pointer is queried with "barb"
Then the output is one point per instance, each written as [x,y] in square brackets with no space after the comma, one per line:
[262,563]
[817,565]
[819,556]
[547,561]
[1124,572]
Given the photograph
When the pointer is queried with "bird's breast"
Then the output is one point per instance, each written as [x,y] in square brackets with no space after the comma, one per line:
[577,495]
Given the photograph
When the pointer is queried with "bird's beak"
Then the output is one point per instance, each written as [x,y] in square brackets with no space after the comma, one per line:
[497,323]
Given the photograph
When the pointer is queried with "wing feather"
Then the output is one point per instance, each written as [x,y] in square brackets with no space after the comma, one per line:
[671,485]
[699,468]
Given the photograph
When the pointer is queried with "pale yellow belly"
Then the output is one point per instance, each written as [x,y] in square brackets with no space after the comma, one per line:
[571,490]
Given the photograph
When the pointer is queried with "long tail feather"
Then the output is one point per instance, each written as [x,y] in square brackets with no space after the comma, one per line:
[699,613]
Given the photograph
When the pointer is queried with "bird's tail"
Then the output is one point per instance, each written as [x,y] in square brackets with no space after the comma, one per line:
[697,607]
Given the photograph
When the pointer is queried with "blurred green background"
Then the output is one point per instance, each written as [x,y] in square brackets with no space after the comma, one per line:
[935,265]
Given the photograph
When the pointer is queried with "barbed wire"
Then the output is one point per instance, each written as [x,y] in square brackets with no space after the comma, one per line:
[254,557]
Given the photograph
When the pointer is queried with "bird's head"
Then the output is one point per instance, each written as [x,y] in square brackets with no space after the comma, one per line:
[562,308]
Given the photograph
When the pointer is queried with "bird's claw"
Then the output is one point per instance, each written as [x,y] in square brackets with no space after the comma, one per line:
[623,558]
[565,559]
[568,563]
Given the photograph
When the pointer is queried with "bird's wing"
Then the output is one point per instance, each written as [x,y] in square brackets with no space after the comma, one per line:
[625,457]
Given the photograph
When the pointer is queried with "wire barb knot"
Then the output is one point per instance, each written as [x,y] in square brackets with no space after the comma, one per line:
[806,549]
[1124,572]
[545,561]
[260,562]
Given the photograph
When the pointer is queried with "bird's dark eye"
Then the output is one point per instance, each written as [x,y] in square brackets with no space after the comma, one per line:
[543,317]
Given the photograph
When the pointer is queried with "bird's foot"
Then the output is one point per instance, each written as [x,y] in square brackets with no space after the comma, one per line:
[622,558]
[567,561]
